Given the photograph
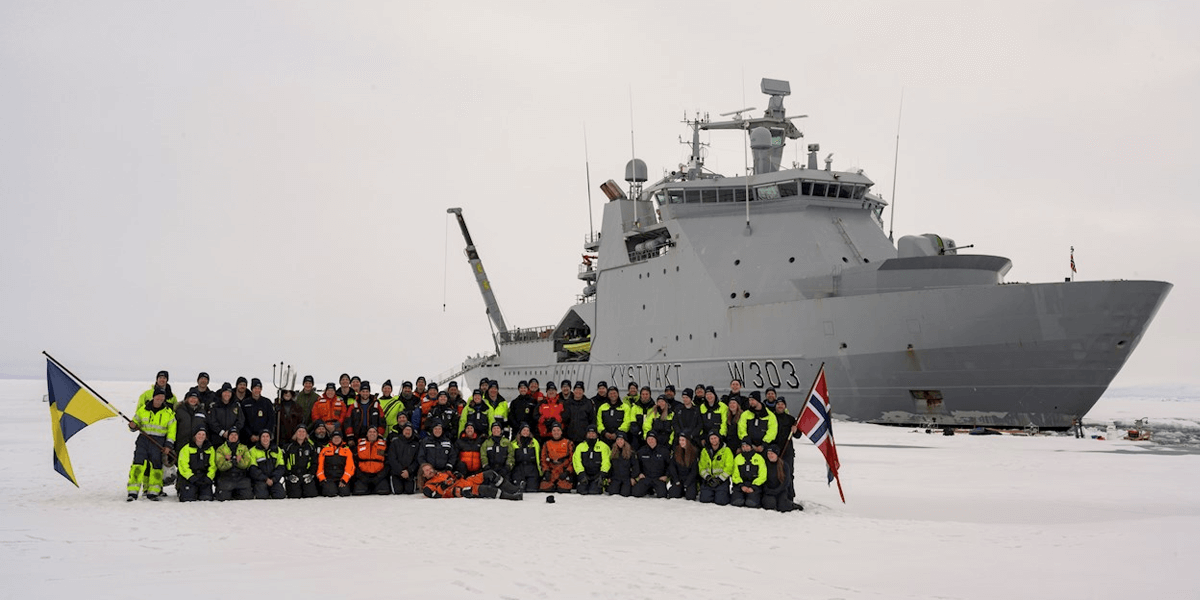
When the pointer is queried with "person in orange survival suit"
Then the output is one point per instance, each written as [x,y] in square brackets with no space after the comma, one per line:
[335,467]
[556,461]
[370,468]
[444,484]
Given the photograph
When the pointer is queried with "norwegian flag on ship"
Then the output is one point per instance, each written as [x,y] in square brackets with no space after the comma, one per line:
[816,424]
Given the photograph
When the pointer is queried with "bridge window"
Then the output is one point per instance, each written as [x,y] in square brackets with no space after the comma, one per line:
[767,192]
[788,188]
[675,196]
[818,189]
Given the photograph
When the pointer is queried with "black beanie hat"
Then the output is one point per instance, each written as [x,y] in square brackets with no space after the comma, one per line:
[202,375]
[162,374]
[330,386]
[309,379]
[241,380]
[255,383]
[366,385]
[225,387]
[387,383]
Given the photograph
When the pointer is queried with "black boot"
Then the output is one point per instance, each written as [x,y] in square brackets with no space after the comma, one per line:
[506,494]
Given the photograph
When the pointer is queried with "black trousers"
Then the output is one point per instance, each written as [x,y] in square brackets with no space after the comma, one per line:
[191,492]
[377,483]
[647,486]
[330,488]
[525,473]
[401,485]
[299,489]
[715,494]
[750,500]
[234,488]
[681,490]
[593,484]
[262,491]
[619,486]
[777,501]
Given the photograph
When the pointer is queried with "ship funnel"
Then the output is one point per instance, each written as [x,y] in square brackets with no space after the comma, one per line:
[812,155]
[635,171]
[760,145]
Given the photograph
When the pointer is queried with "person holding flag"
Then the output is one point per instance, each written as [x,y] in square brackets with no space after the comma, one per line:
[157,421]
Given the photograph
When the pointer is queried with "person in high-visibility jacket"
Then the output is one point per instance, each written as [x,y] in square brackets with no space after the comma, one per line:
[197,468]
[497,404]
[612,417]
[556,461]
[476,413]
[749,475]
[591,462]
[156,421]
[713,413]
[160,382]
[716,468]
[266,468]
[495,451]
[335,467]
[758,424]
[445,484]
[524,462]
[233,466]
[659,420]
[370,468]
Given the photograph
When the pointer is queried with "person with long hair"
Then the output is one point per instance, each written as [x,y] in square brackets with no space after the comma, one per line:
[733,415]
[684,469]
[776,492]
[623,466]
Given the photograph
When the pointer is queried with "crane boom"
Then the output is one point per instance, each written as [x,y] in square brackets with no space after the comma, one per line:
[485,288]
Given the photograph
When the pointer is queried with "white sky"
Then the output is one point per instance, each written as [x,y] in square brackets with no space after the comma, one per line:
[223,185]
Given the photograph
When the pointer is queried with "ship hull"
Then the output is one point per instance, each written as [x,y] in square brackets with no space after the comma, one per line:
[1003,355]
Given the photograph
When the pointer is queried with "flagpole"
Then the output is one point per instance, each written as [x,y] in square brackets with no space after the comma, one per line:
[838,479]
[101,398]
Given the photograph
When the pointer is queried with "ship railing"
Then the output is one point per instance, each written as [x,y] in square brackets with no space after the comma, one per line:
[591,239]
[527,334]
[451,374]
[586,268]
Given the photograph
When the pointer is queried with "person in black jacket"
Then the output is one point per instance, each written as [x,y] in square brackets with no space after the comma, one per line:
[438,448]
[189,416]
[523,409]
[300,462]
[787,433]
[224,416]
[402,460]
[290,415]
[775,490]
[321,434]
[441,412]
[526,469]
[601,397]
[206,394]
[623,466]
[687,422]
[652,469]
[259,413]
[684,468]
[578,415]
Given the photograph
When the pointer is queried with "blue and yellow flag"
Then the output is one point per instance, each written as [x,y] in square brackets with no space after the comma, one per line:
[72,407]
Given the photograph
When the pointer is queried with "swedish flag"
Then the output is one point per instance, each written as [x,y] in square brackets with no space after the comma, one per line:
[72,407]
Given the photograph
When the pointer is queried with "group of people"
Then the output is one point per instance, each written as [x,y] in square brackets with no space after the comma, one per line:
[234,443]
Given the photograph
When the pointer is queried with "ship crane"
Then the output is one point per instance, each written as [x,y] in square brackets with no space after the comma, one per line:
[485,287]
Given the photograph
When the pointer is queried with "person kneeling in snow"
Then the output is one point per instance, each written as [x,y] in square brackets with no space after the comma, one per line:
[266,468]
[445,484]
[197,468]
[233,465]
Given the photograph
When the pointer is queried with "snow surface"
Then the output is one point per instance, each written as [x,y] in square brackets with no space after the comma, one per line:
[928,516]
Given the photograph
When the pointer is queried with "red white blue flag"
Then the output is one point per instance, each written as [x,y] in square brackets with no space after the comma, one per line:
[817,425]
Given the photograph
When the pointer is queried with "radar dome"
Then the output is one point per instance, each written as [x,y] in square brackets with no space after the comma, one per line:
[635,171]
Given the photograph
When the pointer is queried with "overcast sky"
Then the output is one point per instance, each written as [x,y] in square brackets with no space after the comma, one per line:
[222,185]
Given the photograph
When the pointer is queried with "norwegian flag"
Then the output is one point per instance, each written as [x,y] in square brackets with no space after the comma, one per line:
[816,424]
[1073,260]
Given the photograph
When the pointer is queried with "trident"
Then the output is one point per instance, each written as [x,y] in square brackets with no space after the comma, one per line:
[283,378]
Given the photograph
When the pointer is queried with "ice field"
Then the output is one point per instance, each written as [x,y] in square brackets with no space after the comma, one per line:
[927,516]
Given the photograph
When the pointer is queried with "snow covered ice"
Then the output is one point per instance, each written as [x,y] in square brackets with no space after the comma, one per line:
[927,516]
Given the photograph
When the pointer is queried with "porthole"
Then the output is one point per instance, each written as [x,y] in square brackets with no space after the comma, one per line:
[737,262]
[745,294]
[714,334]
[689,336]
[845,260]
[792,259]
[676,269]
[843,345]
[1121,344]
[732,295]
[677,338]
[664,271]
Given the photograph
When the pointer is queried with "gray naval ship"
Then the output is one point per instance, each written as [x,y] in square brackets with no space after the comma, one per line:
[703,278]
